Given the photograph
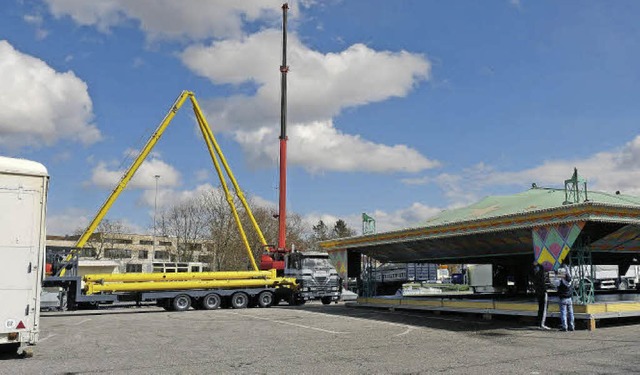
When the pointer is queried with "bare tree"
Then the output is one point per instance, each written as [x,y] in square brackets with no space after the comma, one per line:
[224,244]
[185,222]
[209,218]
[104,236]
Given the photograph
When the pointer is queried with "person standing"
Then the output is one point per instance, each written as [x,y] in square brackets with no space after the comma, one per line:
[540,288]
[565,292]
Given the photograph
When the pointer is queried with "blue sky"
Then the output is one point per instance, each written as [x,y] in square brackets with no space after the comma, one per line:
[396,108]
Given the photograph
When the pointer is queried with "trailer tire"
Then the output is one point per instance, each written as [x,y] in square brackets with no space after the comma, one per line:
[181,302]
[211,301]
[326,300]
[25,353]
[239,300]
[265,299]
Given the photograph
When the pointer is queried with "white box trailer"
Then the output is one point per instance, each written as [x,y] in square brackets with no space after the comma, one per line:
[23,197]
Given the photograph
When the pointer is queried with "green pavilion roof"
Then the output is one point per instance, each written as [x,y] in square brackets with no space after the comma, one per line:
[500,226]
[532,200]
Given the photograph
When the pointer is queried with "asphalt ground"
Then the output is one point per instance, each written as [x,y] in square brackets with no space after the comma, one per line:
[317,339]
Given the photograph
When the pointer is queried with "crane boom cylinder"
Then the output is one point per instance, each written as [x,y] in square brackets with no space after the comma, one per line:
[282,202]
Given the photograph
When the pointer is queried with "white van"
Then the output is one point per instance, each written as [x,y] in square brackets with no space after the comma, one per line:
[23,198]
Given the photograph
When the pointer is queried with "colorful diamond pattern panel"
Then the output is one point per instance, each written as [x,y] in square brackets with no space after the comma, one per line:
[551,244]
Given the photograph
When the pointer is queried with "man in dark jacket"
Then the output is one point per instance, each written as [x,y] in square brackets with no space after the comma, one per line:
[540,288]
[565,291]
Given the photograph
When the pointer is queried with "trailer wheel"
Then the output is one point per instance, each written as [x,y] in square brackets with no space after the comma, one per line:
[326,300]
[181,302]
[210,301]
[239,300]
[25,353]
[265,299]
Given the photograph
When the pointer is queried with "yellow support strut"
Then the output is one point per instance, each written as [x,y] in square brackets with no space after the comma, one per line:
[208,134]
[178,276]
[92,288]
[210,140]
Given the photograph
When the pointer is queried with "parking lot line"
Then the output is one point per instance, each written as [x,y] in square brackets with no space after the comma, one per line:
[287,323]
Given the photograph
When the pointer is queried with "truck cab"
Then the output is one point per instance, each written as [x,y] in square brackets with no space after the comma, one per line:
[317,276]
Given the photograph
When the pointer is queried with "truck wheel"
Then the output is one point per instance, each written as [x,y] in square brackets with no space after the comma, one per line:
[181,302]
[296,301]
[265,299]
[326,300]
[623,285]
[239,300]
[211,301]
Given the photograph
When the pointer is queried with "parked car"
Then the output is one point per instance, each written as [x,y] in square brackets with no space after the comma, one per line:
[348,296]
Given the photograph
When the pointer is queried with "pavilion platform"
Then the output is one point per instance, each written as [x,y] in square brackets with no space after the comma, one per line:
[606,306]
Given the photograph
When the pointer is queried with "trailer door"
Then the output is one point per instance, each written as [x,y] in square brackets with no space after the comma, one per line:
[21,203]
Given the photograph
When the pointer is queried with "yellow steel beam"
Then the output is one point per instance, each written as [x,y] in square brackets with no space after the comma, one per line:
[92,288]
[213,150]
[129,174]
[139,277]
[239,193]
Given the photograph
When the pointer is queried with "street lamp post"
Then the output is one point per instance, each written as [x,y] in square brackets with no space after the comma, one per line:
[155,209]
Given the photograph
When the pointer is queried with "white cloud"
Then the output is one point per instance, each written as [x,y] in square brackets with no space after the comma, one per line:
[608,171]
[40,106]
[144,178]
[74,220]
[408,217]
[258,201]
[169,19]
[319,146]
[169,197]
[202,175]
[321,86]
[36,20]
[69,222]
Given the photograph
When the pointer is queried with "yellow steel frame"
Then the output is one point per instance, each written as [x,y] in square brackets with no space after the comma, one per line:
[92,288]
[178,276]
[214,151]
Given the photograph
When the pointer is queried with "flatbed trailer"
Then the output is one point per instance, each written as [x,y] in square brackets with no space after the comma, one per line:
[171,299]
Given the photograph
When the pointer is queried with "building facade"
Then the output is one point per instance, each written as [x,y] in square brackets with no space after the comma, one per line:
[109,253]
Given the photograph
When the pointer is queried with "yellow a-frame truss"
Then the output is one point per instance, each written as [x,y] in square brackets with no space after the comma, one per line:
[214,151]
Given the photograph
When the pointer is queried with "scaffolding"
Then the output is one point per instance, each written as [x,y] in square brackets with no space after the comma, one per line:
[582,263]
[369,284]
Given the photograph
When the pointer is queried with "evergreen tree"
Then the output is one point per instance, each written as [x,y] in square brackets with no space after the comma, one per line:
[320,232]
[341,230]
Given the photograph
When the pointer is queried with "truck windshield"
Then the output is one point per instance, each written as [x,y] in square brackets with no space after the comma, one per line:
[316,263]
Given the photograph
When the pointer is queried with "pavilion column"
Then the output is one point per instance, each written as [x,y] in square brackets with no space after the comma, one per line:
[552,243]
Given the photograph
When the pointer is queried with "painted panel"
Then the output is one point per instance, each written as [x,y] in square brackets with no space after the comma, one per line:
[339,260]
[626,238]
[551,244]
